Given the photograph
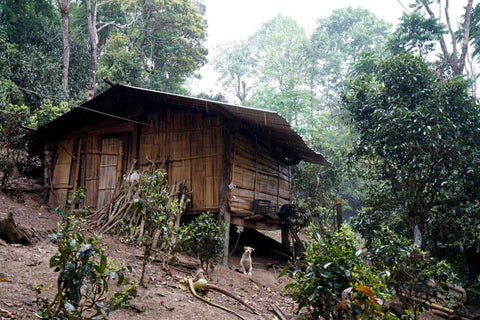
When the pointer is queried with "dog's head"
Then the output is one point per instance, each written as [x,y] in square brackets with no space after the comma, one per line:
[248,249]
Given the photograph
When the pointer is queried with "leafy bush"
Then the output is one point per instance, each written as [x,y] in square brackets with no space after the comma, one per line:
[158,212]
[204,237]
[334,264]
[413,273]
[12,137]
[84,275]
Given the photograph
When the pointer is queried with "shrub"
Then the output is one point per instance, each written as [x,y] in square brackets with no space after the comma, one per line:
[158,212]
[84,272]
[204,238]
[413,273]
[335,282]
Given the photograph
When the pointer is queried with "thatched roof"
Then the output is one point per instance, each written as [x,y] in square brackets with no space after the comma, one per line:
[118,101]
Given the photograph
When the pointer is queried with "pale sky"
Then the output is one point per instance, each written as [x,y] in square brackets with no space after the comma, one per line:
[232,20]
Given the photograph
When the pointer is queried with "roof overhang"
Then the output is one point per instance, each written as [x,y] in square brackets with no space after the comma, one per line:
[107,105]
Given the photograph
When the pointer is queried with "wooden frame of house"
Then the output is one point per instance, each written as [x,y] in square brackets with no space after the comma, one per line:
[233,158]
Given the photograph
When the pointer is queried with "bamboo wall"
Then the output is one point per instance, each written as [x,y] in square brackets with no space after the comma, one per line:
[192,145]
[95,157]
[256,175]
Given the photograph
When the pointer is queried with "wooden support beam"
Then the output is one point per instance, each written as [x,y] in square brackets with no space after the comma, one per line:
[253,224]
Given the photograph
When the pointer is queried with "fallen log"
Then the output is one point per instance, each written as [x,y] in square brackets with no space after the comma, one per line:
[205,287]
[278,312]
[192,290]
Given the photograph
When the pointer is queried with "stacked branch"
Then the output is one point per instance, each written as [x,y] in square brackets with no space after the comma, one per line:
[121,216]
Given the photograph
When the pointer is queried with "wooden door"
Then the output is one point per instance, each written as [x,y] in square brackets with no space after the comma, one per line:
[60,183]
[110,172]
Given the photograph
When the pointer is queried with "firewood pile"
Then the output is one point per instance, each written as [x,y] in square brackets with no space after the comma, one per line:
[119,215]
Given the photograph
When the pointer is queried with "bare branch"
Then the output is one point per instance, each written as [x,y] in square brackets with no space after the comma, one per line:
[466,34]
[441,39]
[450,30]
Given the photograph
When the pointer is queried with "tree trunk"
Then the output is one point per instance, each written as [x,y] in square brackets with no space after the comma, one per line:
[12,233]
[64,6]
[456,62]
[92,48]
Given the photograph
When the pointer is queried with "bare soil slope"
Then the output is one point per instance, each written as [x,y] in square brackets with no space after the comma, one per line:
[23,267]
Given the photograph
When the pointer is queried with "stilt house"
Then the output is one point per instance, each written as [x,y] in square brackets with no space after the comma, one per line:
[234,159]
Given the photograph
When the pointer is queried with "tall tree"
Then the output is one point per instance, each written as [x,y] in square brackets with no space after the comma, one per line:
[64,6]
[418,137]
[282,71]
[338,41]
[93,31]
[235,63]
[169,36]
[427,25]
[26,29]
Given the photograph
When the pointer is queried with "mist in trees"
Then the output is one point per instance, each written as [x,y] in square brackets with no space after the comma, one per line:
[393,108]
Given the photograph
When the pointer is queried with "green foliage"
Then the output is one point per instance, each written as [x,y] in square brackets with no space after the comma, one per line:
[121,63]
[413,272]
[158,212]
[334,274]
[282,71]
[32,54]
[416,33]
[204,237]
[168,38]
[235,65]
[14,116]
[46,112]
[338,41]
[417,141]
[84,273]
[12,136]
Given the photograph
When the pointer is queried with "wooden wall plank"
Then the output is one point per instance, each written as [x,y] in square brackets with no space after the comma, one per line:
[110,169]
[61,173]
[257,175]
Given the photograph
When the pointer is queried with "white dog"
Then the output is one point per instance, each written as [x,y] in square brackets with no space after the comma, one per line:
[246,260]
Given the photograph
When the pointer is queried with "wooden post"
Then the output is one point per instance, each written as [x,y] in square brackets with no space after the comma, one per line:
[286,236]
[224,189]
[339,213]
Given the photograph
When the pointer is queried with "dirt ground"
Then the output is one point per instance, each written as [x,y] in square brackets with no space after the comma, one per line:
[24,267]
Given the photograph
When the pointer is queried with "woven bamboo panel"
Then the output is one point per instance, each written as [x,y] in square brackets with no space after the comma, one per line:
[92,165]
[61,173]
[191,143]
[110,169]
[104,128]
[240,200]
[257,175]
[267,184]
[243,177]
[152,147]
[199,182]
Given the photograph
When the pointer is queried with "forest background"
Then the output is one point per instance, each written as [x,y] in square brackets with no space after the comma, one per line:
[394,108]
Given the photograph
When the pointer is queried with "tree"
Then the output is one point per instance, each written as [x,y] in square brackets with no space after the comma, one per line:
[338,41]
[235,64]
[168,36]
[31,56]
[93,31]
[281,75]
[426,26]
[64,6]
[416,34]
[418,138]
